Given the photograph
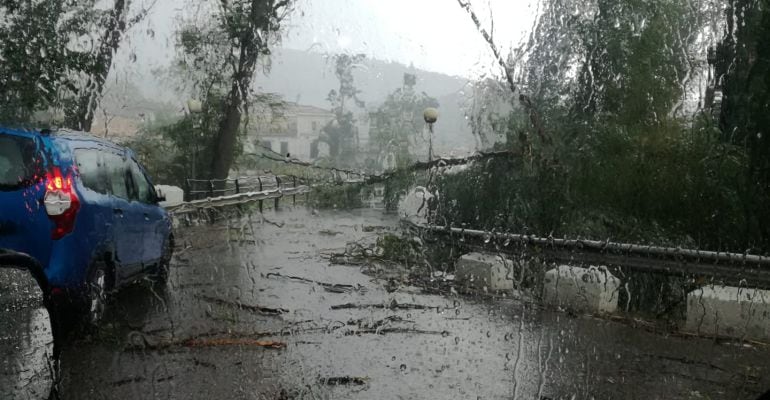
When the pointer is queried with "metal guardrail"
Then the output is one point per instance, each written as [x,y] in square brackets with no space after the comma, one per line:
[244,190]
[197,189]
[733,267]
[730,267]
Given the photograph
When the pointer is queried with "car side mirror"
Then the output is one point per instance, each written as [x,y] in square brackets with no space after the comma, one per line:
[159,195]
[170,195]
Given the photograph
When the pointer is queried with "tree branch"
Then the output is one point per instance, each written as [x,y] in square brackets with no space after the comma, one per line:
[374,178]
[488,38]
[534,116]
[140,15]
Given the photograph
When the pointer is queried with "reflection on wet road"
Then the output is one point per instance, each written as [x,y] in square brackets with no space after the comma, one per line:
[26,340]
[254,311]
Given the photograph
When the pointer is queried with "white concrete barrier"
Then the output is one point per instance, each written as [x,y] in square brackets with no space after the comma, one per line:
[729,311]
[174,195]
[592,289]
[484,271]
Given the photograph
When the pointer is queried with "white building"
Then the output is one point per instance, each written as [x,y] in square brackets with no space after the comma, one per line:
[294,130]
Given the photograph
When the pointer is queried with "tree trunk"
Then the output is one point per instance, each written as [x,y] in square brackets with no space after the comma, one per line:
[250,47]
[83,115]
[224,144]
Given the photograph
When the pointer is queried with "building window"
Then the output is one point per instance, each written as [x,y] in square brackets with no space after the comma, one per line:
[315,126]
[284,148]
[267,144]
[314,149]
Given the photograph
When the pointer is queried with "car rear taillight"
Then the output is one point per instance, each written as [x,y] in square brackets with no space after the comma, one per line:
[61,202]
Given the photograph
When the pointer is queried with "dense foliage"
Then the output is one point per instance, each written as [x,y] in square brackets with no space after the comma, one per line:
[607,140]
[341,133]
[55,57]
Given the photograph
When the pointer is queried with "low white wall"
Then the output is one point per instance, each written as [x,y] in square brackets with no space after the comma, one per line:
[729,311]
[592,289]
[484,271]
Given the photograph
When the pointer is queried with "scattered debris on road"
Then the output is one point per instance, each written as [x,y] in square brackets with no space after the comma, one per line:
[343,380]
[270,344]
[393,305]
[330,287]
[259,309]
[138,379]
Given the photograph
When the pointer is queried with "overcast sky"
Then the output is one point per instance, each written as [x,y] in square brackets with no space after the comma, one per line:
[435,35]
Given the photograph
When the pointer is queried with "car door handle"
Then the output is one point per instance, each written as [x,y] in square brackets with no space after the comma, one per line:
[146,217]
[118,212]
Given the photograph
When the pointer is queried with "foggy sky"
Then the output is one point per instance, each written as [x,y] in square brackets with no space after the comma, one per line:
[434,35]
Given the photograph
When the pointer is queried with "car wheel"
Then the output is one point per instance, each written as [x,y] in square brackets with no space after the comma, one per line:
[162,272]
[96,294]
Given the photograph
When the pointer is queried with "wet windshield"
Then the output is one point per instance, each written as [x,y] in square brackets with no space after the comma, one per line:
[303,199]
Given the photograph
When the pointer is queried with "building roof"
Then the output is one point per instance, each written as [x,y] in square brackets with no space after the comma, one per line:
[294,108]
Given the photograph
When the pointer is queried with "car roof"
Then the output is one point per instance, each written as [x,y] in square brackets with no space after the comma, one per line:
[68,135]
[19,131]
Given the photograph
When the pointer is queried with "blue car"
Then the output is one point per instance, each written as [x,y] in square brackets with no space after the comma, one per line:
[86,210]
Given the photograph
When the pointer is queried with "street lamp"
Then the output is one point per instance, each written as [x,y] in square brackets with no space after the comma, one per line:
[194,106]
[430,115]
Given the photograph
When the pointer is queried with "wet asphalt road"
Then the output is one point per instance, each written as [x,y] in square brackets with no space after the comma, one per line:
[26,340]
[422,346]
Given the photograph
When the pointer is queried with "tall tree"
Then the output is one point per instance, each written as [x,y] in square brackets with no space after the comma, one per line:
[341,134]
[397,123]
[33,61]
[221,56]
[742,73]
[64,65]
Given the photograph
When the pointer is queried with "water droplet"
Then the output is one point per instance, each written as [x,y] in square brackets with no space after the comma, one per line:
[402,367]
[393,358]
[457,340]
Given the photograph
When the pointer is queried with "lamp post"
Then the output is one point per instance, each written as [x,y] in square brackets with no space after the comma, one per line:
[430,115]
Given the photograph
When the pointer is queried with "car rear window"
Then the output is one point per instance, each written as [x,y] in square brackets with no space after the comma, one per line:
[20,162]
